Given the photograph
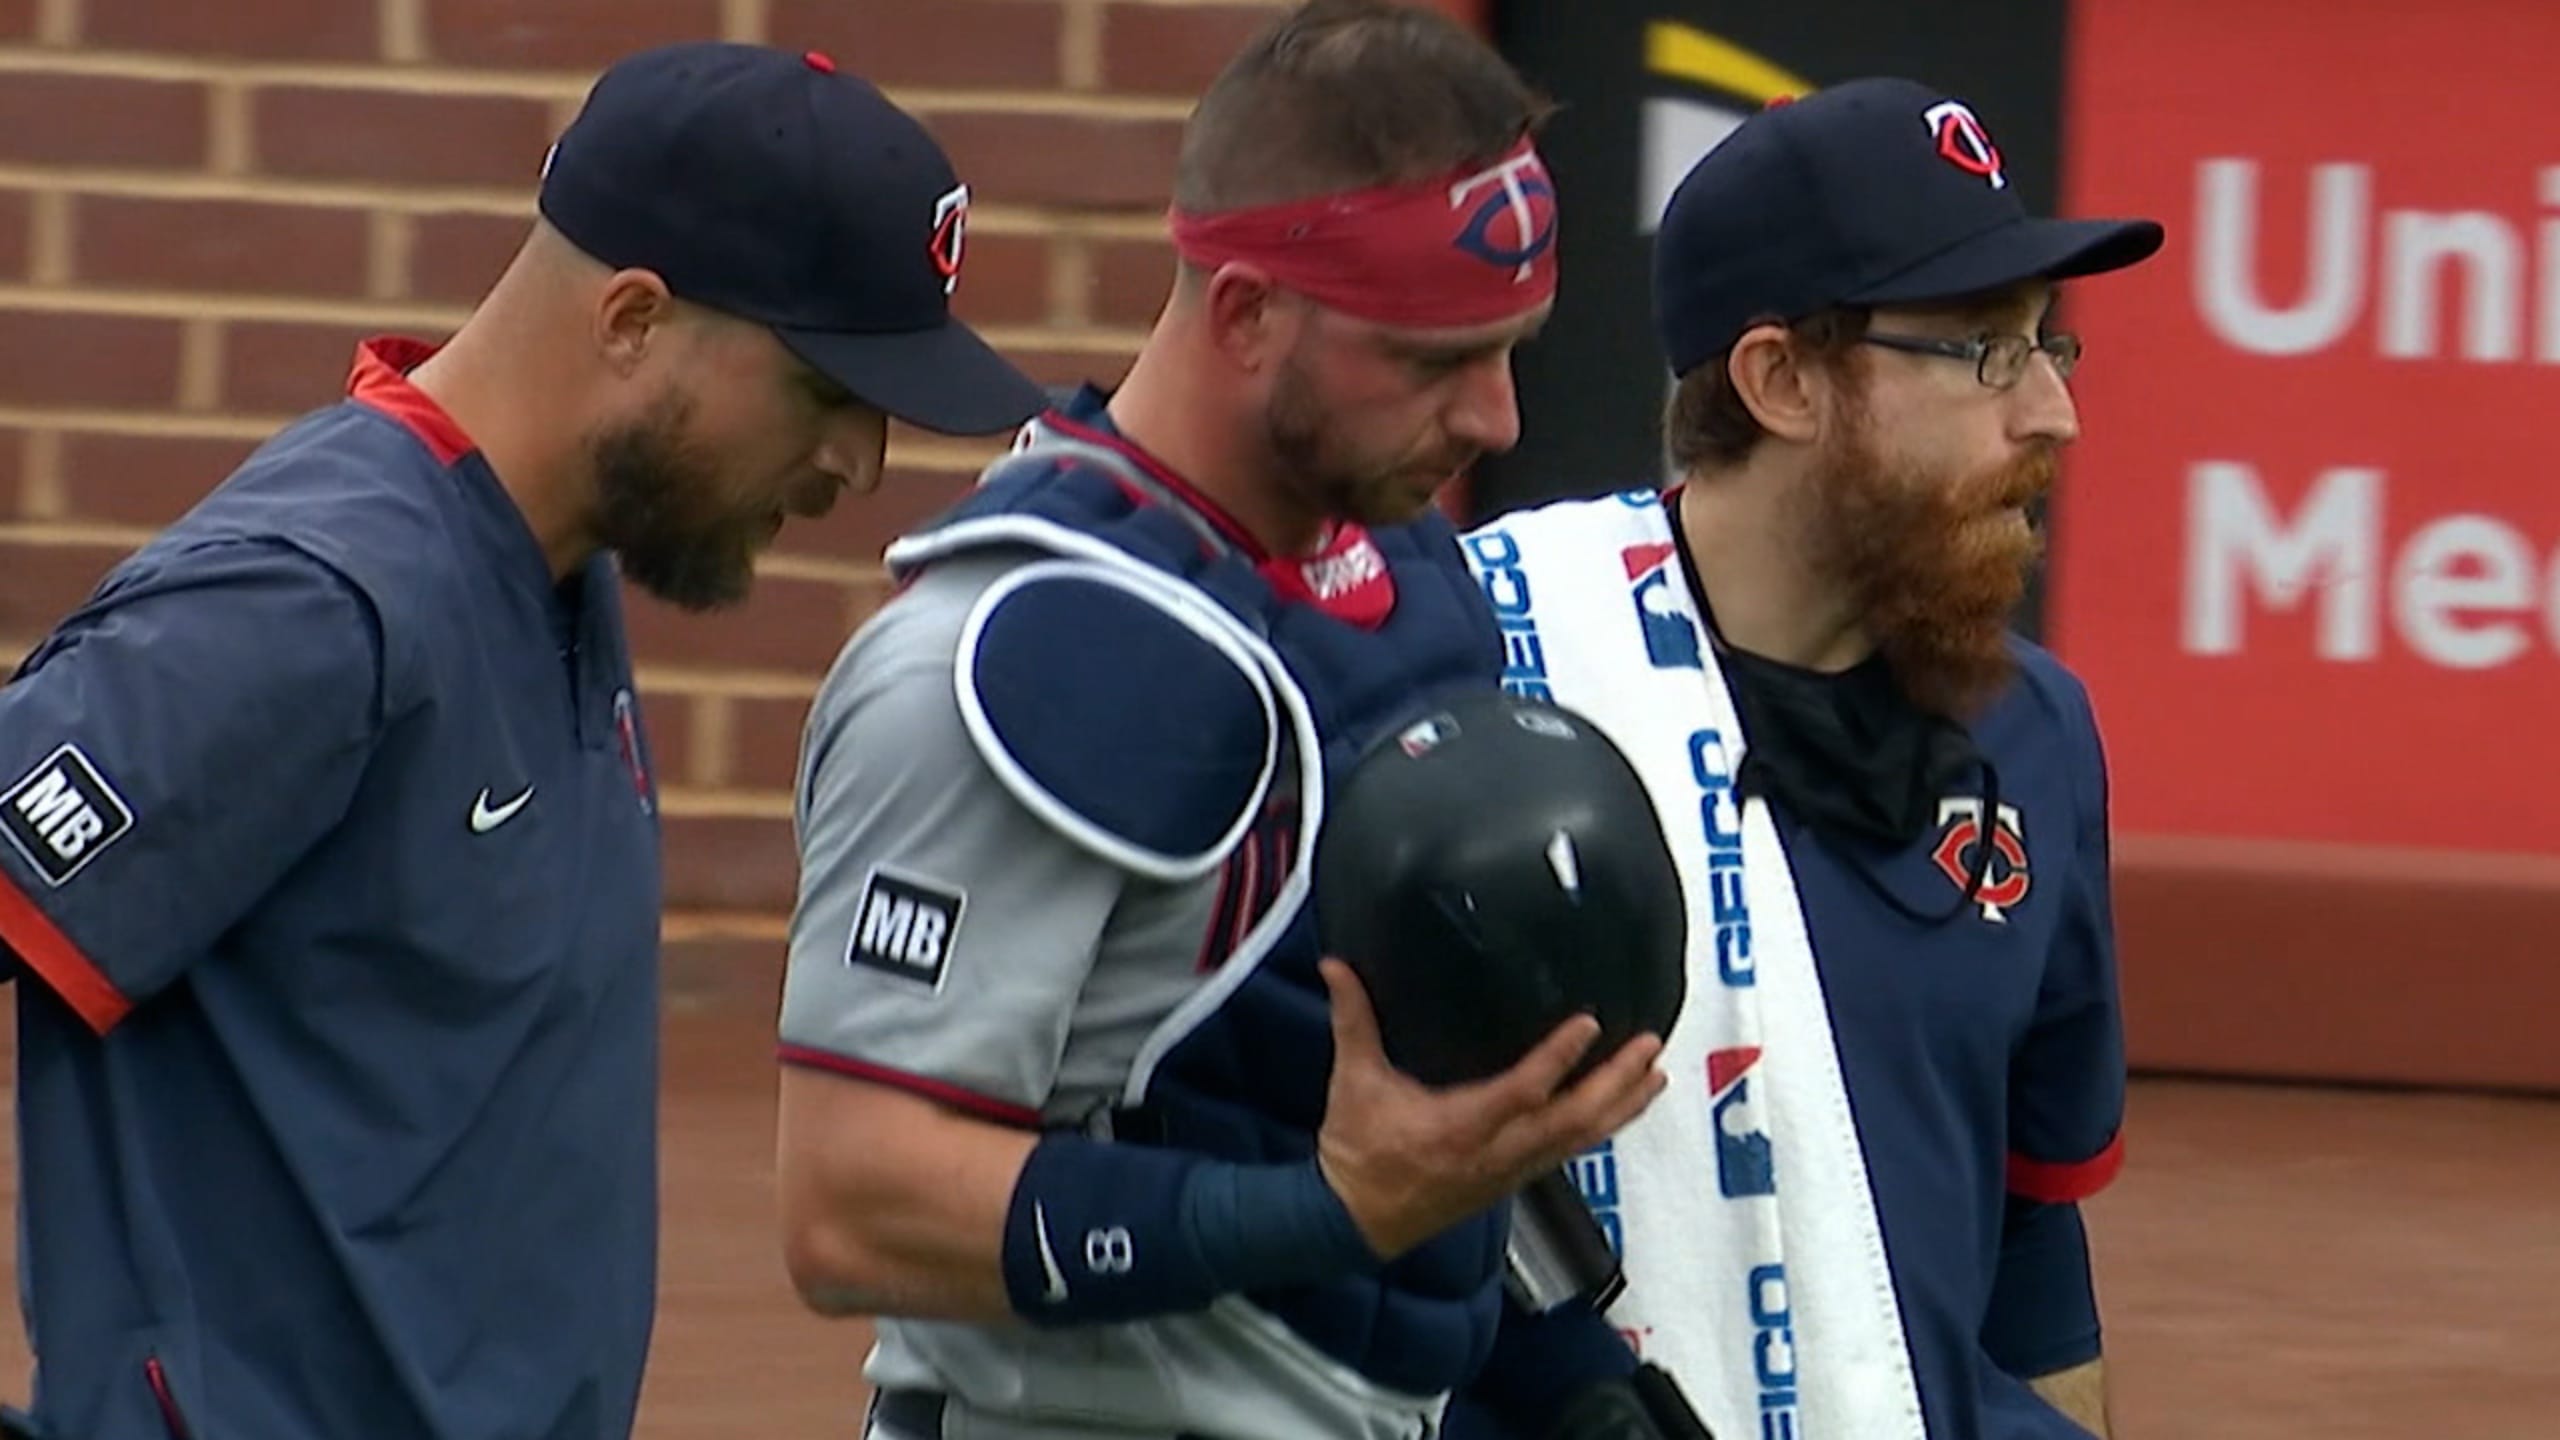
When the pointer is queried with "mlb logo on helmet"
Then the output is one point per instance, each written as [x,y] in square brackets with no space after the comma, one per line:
[1670,641]
[1423,736]
[1744,1165]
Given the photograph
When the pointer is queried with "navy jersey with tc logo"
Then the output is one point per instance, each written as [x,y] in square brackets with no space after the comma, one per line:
[329,867]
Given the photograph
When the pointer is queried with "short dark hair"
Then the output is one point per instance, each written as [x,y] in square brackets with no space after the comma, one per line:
[1706,427]
[1345,94]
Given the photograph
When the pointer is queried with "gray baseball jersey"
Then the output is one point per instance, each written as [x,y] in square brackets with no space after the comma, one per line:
[951,941]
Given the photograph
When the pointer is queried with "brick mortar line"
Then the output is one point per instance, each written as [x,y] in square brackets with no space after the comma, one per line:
[372,75]
[913,449]
[51,243]
[739,684]
[204,305]
[41,496]
[511,201]
[63,534]
[541,85]
[391,243]
[711,735]
[847,574]
[201,365]
[149,424]
[823,569]
[196,305]
[401,27]
[726,803]
[935,457]
[745,20]
[1080,45]
[685,925]
[1047,104]
[1075,339]
[1091,224]
[57,22]
[230,138]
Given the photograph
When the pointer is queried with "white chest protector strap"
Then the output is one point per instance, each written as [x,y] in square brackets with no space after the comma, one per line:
[1136,715]
[1138,727]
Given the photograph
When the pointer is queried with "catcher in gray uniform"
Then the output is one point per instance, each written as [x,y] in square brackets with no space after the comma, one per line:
[1069,1100]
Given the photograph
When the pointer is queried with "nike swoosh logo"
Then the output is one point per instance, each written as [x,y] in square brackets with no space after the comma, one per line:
[484,819]
[1048,1261]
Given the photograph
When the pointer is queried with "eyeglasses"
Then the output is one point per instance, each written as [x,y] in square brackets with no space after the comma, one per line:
[1998,360]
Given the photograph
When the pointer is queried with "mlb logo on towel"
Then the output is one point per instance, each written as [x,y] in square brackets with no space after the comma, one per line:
[1744,1165]
[1670,641]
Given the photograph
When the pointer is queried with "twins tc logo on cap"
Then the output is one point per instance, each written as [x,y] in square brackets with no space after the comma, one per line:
[950,235]
[1963,143]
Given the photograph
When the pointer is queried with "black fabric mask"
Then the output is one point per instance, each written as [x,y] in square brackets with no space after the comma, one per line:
[1847,754]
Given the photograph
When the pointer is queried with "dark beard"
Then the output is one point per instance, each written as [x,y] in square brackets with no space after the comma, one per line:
[652,493]
[1338,489]
[1934,564]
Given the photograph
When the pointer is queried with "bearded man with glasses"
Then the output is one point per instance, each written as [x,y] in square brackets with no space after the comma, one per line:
[1901,1064]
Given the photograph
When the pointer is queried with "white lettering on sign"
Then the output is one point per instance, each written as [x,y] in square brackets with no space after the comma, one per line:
[2434,283]
[2464,593]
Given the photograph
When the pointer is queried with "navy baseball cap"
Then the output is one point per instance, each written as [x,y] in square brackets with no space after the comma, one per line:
[1873,192]
[769,185]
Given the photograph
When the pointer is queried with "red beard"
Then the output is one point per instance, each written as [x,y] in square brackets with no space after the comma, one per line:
[1935,564]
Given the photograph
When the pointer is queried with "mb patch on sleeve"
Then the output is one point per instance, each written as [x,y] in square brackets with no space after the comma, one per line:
[904,927]
[62,813]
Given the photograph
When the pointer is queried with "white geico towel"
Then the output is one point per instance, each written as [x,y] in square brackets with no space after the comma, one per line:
[1755,1268]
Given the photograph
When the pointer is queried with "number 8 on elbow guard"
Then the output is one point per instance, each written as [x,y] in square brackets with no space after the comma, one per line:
[1109,1251]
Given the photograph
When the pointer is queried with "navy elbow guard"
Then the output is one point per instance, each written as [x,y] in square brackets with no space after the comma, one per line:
[1646,1405]
[1099,1232]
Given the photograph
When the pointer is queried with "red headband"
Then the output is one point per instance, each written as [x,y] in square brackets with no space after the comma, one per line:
[1441,254]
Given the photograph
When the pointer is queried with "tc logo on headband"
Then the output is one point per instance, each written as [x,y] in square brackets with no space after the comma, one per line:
[1963,143]
[1523,195]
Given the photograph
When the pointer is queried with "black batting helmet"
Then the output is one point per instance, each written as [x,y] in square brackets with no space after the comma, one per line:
[1490,868]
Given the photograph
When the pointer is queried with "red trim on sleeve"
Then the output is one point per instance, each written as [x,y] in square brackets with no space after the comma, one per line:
[2064,1184]
[380,378]
[44,947]
[1003,1112]
[170,1414]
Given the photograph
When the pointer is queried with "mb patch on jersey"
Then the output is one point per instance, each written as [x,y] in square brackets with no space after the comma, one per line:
[904,927]
[62,813]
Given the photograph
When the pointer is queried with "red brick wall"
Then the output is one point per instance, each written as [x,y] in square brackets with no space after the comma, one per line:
[202,207]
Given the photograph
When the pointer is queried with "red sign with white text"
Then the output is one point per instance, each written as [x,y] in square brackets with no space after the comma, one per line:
[2308,547]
